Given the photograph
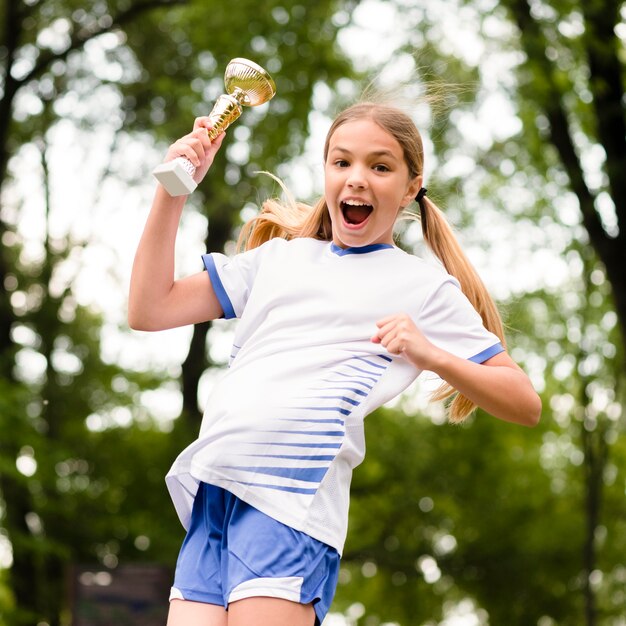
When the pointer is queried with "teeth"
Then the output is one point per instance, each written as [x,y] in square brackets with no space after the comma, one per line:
[355,203]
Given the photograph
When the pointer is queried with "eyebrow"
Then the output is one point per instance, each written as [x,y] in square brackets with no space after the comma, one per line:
[375,153]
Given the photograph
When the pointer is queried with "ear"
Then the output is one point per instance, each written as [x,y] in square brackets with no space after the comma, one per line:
[414,185]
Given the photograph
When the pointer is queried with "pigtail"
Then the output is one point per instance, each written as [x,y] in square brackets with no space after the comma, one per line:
[441,240]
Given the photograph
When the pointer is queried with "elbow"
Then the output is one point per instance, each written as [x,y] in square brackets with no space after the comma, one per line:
[148,320]
[135,322]
[138,320]
[532,414]
[134,315]
[524,412]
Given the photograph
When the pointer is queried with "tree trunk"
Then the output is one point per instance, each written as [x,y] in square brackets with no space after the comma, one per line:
[11,35]
[594,463]
[605,82]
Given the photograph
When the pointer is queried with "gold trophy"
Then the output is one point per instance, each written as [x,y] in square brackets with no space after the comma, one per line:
[247,84]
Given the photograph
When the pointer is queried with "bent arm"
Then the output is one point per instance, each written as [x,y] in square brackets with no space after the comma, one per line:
[156,300]
[498,386]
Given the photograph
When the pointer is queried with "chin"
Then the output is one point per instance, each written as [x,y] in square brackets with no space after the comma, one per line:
[353,240]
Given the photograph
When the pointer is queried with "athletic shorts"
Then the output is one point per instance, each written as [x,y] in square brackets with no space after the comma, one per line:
[233,551]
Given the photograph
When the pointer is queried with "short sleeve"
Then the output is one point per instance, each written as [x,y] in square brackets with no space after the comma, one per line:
[449,320]
[232,278]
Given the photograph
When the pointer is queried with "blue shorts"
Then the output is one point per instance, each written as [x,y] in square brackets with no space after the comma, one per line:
[233,551]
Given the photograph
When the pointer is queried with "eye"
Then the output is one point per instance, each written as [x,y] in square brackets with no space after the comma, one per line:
[381,167]
[341,163]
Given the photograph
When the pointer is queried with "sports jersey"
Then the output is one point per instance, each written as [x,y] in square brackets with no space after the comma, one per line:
[284,426]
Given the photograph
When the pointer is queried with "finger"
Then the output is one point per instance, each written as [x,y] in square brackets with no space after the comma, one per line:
[393,346]
[387,339]
[197,152]
[397,345]
[217,142]
[200,142]
[387,328]
[189,148]
[200,137]
[202,122]
[182,151]
[385,320]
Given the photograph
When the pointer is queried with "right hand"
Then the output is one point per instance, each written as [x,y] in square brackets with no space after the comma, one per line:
[197,147]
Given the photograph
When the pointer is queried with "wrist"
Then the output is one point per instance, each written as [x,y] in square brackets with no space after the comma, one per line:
[164,198]
[440,361]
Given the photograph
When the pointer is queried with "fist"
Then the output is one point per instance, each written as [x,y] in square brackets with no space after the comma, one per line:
[197,148]
[399,335]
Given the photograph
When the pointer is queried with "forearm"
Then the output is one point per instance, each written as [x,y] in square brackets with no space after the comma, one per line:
[152,275]
[500,388]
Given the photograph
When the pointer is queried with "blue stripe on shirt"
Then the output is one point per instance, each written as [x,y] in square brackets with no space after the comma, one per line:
[308,492]
[218,287]
[481,357]
[305,474]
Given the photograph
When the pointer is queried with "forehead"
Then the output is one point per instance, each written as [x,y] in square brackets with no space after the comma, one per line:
[367,136]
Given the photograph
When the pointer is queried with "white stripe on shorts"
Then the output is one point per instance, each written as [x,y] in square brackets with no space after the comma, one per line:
[176,594]
[286,588]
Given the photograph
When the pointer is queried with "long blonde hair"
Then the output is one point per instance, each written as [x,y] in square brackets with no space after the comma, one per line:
[295,219]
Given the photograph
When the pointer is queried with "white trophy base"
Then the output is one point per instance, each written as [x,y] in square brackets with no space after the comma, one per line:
[175,177]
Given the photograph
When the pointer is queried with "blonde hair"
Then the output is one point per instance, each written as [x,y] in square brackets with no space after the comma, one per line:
[295,219]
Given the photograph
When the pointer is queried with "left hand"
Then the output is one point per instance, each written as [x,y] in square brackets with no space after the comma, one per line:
[399,334]
[497,385]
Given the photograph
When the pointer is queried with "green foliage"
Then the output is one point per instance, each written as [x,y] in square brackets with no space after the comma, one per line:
[181,77]
[61,486]
[489,511]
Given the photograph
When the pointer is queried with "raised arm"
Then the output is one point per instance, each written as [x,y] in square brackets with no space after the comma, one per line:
[156,300]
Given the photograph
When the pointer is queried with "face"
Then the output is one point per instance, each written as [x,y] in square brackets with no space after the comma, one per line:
[367,184]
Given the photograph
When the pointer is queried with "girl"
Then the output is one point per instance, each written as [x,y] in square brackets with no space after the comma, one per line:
[334,321]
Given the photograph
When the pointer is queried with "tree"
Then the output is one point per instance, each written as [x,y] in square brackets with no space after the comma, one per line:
[75,436]
[53,482]
[574,77]
[570,98]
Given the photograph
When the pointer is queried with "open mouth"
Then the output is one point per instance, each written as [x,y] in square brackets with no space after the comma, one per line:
[354,212]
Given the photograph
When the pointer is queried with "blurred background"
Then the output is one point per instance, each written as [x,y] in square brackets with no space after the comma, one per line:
[483,524]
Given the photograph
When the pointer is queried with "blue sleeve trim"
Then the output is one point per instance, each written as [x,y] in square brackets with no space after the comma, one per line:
[218,287]
[481,357]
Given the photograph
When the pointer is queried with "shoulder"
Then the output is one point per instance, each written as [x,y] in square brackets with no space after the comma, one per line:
[300,246]
[279,250]
[415,268]
[296,243]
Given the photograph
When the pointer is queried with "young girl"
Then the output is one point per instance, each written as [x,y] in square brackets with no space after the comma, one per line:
[335,320]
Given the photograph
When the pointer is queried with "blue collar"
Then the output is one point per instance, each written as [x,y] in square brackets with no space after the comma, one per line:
[373,247]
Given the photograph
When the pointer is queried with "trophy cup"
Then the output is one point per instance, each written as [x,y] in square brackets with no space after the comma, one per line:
[247,84]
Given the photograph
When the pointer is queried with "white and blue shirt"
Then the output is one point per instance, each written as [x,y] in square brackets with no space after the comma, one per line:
[283,429]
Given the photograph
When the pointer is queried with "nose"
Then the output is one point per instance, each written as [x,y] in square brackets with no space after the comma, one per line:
[357,178]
